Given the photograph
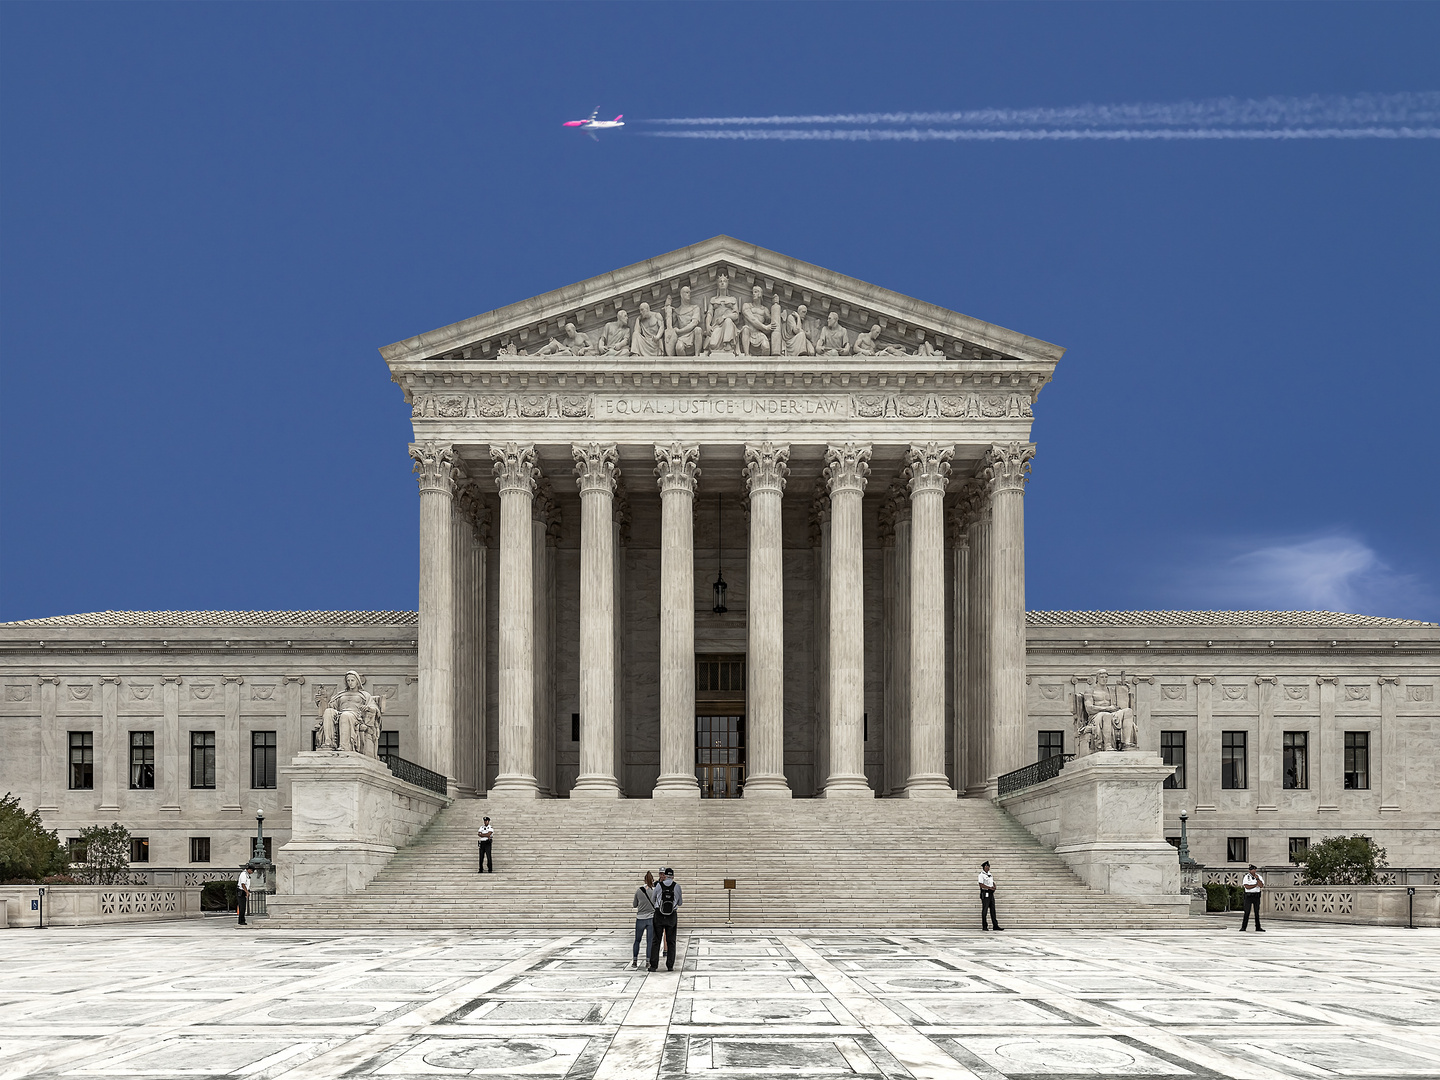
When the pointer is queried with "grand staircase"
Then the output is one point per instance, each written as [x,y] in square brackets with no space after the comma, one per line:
[798,863]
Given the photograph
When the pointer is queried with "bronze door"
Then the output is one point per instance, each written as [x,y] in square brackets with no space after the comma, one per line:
[720,726]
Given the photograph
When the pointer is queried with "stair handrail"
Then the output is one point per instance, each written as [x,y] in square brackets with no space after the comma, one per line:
[415,774]
[1035,773]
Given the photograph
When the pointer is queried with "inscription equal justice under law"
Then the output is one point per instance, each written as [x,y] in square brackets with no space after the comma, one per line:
[720,407]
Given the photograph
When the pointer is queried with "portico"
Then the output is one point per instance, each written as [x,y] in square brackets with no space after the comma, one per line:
[574,472]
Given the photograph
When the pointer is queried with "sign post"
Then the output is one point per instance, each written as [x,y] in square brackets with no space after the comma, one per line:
[729,892]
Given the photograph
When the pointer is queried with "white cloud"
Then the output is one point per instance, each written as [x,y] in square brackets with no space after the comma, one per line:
[1330,572]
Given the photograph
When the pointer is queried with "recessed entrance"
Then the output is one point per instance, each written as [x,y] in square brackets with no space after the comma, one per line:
[720,725]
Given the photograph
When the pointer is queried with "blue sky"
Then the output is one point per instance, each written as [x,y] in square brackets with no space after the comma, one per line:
[211,216]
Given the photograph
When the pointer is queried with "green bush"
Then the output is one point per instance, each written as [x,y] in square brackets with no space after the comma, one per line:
[219,896]
[107,854]
[28,851]
[1344,860]
[1237,898]
[1215,897]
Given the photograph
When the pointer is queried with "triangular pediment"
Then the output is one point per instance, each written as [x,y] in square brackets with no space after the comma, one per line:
[907,325]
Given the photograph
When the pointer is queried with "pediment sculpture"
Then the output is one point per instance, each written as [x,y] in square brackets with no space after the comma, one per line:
[349,721]
[1104,717]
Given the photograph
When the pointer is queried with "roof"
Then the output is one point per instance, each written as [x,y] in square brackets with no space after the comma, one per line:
[226,618]
[1317,619]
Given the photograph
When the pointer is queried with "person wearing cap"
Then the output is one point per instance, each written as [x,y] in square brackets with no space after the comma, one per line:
[242,885]
[1252,883]
[987,898]
[666,899]
[486,835]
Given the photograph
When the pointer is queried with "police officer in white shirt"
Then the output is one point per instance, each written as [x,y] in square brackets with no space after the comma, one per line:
[987,898]
[487,835]
[1252,883]
[243,883]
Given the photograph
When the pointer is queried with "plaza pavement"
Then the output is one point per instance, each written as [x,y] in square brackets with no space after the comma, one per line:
[206,999]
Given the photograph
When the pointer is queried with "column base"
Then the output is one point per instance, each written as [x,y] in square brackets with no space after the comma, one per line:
[514,787]
[677,786]
[596,787]
[928,787]
[767,787]
[847,787]
[975,791]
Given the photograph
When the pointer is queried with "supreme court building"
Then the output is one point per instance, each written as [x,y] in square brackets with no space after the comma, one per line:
[725,524]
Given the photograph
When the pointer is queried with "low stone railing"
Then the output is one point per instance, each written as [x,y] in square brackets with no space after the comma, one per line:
[1364,905]
[1294,876]
[85,905]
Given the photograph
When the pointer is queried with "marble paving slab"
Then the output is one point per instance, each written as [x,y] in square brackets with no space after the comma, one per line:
[201,1001]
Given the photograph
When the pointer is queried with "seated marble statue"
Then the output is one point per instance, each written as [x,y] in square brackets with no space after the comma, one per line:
[683,334]
[352,717]
[615,339]
[1103,715]
[833,340]
[869,345]
[797,340]
[648,338]
[722,319]
[755,334]
[575,344]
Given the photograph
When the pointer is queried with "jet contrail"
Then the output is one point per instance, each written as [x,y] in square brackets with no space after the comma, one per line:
[1414,115]
[1064,134]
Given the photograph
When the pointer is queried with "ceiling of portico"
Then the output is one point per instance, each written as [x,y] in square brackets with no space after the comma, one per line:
[907,326]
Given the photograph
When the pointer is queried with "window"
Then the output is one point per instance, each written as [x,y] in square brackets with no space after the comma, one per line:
[719,674]
[202,762]
[1232,759]
[75,849]
[82,760]
[199,849]
[389,744]
[262,759]
[142,760]
[266,847]
[1173,841]
[1357,760]
[1295,760]
[139,849]
[1052,744]
[1237,849]
[1172,751]
[1299,848]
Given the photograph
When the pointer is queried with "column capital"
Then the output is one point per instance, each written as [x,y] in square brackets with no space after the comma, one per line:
[1007,466]
[515,467]
[177,680]
[435,466]
[766,466]
[1323,679]
[287,679]
[846,467]
[928,467]
[105,679]
[677,467]
[597,467]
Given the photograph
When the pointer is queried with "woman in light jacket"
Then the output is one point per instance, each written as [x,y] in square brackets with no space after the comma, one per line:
[644,905]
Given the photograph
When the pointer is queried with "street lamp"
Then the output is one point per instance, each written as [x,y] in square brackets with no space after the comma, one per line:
[1190,870]
[720,585]
[259,866]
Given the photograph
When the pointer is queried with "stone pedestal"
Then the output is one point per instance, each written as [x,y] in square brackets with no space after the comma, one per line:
[348,817]
[1103,816]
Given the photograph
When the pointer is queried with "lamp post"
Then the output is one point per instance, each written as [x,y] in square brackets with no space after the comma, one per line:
[40,906]
[720,585]
[259,866]
[1190,870]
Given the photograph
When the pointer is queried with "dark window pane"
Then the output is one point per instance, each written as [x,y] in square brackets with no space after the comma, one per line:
[1232,759]
[142,760]
[1357,760]
[1295,760]
[199,849]
[139,849]
[389,744]
[262,759]
[1172,751]
[1050,744]
[1237,849]
[1299,848]
[202,759]
[82,760]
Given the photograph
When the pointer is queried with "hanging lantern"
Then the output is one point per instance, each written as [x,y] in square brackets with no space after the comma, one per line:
[720,585]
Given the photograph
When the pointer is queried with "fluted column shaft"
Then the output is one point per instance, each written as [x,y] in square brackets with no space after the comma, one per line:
[929,469]
[677,468]
[961,646]
[435,469]
[766,466]
[895,520]
[1008,466]
[820,633]
[596,468]
[541,511]
[462,698]
[846,468]
[977,696]
[516,473]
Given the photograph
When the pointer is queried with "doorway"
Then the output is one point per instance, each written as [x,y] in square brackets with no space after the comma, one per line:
[720,725]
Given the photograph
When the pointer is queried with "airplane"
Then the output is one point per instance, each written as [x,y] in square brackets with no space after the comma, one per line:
[592,125]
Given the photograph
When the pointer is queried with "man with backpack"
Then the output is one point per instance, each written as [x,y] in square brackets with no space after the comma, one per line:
[667,900]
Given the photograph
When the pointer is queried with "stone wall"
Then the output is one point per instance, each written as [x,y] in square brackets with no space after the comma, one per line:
[1365,905]
[86,905]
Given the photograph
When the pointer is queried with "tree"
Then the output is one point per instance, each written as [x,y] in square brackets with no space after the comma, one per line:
[28,851]
[107,854]
[1344,860]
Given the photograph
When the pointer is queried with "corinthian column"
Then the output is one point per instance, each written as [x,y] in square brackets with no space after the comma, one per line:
[596,469]
[1008,466]
[436,471]
[766,466]
[974,507]
[677,467]
[542,513]
[516,474]
[846,468]
[929,469]
[960,638]
[895,520]
[820,632]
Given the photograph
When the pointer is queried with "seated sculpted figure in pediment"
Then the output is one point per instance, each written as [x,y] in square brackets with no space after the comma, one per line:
[575,344]
[755,333]
[722,321]
[797,335]
[683,333]
[869,345]
[833,340]
[615,338]
[648,338]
